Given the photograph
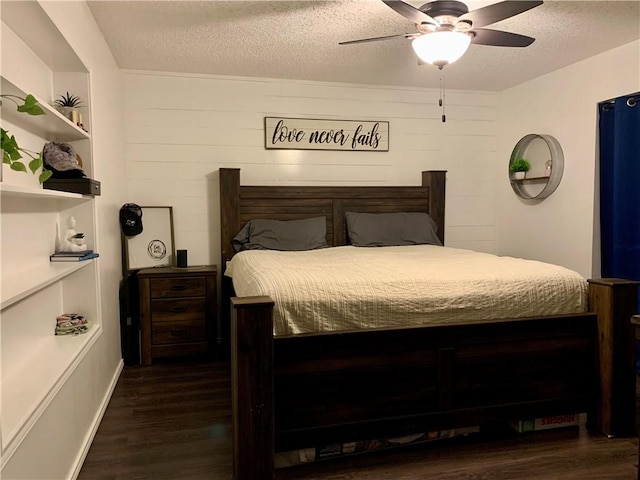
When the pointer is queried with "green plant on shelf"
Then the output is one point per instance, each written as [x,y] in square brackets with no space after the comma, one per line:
[12,152]
[68,100]
[519,165]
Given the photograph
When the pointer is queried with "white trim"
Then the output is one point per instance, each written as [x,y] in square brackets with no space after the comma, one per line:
[238,78]
[96,422]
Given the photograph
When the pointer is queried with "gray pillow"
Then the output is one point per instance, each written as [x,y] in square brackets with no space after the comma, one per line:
[391,229]
[286,235]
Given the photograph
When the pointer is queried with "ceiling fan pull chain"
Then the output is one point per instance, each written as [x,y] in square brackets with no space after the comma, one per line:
[441,102]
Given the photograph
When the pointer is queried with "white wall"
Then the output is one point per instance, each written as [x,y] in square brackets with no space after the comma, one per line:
[560,229]
[56,446]
[182,128]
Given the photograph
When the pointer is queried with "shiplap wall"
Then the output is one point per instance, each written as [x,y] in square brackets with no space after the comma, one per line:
[182,128]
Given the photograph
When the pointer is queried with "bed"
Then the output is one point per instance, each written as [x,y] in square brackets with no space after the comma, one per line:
[302,388]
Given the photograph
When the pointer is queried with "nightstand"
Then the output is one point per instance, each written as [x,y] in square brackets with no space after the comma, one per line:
[177,311]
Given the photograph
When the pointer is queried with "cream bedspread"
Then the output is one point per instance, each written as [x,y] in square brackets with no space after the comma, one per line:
[344,288]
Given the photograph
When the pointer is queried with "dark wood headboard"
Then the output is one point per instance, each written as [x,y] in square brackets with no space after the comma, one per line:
[241,203]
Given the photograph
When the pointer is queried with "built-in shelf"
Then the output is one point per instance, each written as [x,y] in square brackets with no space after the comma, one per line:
[41,372]
[37,30]
[19,286]
[31,192]
[34,383]
[53,125]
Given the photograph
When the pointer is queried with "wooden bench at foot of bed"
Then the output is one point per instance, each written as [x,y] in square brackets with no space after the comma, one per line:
[305,390]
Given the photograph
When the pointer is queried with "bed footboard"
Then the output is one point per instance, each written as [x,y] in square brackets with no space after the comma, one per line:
[252,387]
[300,391]
[615,301]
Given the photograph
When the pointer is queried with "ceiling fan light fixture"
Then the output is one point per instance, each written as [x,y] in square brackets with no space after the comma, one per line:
[441,48]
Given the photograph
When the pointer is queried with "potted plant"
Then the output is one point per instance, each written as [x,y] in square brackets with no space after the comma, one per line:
[519,167]
[11,151]
[68,105]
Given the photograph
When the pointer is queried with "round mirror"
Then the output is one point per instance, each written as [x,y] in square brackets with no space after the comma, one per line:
[541,159]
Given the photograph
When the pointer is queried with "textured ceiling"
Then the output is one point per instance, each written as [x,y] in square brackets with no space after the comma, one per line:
[299,40]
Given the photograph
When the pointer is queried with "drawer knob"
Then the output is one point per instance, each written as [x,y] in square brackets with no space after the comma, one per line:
[178,288]
[179,333]
[178,309]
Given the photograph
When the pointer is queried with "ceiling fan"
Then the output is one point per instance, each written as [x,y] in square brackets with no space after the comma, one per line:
[446,28]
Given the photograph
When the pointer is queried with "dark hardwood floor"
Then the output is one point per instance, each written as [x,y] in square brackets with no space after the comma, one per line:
[172,421]
[165,421]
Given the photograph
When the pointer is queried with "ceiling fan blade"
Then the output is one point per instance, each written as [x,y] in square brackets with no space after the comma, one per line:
[412,13]
[498,38]
[498,11]
[375,39]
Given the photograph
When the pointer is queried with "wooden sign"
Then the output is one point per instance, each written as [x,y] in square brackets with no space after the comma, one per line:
[313,134]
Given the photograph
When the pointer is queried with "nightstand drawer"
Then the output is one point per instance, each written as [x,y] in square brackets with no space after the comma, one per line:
[179,332]
[178,309]
[178,287]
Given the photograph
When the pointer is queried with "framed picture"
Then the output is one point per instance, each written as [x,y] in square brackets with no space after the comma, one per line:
[154,246]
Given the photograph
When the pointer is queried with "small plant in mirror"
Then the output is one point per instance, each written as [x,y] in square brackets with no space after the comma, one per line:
[519,167]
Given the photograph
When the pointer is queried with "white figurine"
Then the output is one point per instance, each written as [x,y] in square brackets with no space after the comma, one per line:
[72,241]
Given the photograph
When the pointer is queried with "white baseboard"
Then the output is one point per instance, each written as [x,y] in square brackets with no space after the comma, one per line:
[96,421]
